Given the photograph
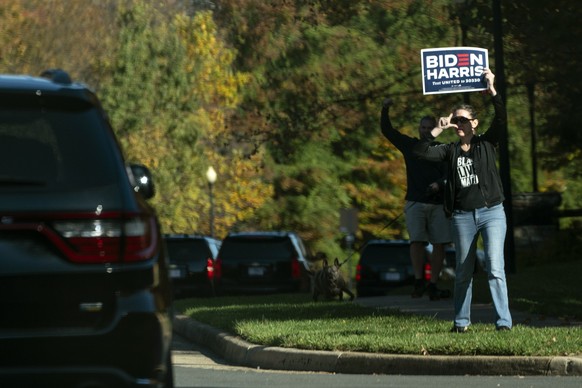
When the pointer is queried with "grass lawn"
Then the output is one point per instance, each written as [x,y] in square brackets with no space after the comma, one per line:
[293,320]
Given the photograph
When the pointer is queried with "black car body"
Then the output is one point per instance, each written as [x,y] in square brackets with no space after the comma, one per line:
[263,262]
[383,264]
[193,265]
[85,296]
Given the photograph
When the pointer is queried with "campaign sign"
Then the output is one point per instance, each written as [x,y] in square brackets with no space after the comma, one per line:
[453,69]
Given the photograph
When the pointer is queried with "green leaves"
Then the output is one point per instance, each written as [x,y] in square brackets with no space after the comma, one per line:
[283,98]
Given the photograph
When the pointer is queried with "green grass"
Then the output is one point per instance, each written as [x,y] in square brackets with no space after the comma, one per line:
[293,320]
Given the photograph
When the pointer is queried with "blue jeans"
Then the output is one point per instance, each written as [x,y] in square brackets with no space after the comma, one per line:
[492,225]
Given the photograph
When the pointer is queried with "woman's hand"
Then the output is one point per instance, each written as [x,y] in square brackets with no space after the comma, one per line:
[444,123]
[489,78]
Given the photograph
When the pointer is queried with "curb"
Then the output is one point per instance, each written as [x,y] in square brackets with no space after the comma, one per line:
[240,352]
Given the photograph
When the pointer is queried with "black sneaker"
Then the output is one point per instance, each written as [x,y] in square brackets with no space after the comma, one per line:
[460,329]
[419,288]
[435,294]
[503,328]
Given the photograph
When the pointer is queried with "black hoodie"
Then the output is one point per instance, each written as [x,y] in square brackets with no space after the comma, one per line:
[484,155]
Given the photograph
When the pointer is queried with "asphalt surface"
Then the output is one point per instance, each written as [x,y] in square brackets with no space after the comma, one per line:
[237,351]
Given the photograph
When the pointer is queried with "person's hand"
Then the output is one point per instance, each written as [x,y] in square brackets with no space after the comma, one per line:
[445,122]
[388,102]
[489,78]
[433,188]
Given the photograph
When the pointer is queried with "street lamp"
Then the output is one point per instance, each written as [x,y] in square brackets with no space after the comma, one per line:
[211,177]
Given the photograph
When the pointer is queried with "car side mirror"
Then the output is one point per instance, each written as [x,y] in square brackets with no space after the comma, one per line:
[141,179]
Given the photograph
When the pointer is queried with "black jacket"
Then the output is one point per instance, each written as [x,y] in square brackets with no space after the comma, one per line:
[485,158]
[419,173]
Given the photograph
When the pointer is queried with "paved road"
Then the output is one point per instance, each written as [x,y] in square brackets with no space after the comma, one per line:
[195,366]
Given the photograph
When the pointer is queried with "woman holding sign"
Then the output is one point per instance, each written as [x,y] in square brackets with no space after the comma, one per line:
[474,202]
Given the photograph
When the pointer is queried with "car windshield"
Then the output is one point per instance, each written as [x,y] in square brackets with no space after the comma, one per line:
[256,248]
[384,253]
[182,251]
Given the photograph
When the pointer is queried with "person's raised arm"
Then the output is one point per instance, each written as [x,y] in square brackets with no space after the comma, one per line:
[490,79]
[385,123]
[399,140]
[493,134]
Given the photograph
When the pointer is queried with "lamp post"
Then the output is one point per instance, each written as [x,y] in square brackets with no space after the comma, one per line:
[211,177]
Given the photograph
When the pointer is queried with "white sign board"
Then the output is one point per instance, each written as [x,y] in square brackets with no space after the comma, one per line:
[453,69]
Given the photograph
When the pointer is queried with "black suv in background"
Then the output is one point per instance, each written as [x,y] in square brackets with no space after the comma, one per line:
[85,296]
[193,265]
[383,264]
[264,262]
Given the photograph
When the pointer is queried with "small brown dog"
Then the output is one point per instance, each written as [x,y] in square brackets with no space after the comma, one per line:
[330,283]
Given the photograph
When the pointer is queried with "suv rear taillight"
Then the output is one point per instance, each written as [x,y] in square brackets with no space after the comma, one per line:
[295,268]
[358,272]
[427,271]
[213,269]
[110,239]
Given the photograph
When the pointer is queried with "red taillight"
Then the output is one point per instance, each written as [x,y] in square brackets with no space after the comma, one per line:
[358,272]
[209,269]
[86,238]
[427,271]
[113,238]
[295,268]
[213,269]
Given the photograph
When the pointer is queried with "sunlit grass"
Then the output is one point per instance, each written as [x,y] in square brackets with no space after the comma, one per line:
[295,321]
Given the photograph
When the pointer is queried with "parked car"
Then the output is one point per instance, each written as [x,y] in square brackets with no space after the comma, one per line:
[383,264]
[85,295]
[264,262]
[193,265]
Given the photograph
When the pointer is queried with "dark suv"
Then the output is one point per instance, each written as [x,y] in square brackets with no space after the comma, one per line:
[85,297]
[264,262]
[383,264]
[193,265]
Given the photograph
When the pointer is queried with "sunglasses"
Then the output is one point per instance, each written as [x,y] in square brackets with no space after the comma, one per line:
[460,120]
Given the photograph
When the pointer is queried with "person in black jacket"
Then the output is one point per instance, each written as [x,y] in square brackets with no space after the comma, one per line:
[474,202]
[425,219]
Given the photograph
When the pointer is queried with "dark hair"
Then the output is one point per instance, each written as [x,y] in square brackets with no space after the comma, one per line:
[432,119]
[468,108]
